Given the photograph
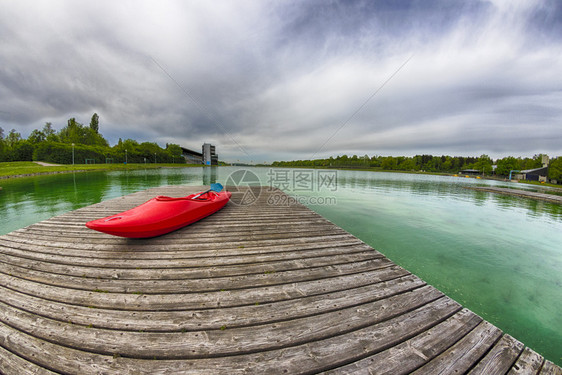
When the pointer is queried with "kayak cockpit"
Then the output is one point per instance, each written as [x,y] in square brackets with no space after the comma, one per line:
[205,197]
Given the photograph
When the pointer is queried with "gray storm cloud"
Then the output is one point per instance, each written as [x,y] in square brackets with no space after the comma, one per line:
[276,80]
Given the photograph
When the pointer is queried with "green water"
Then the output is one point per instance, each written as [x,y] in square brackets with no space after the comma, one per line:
[499,256]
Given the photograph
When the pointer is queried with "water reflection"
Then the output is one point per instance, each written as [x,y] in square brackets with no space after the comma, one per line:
[26,201]
[210,175]
[450,188]
[531,207]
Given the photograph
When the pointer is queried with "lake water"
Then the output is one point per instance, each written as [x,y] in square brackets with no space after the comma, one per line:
[499,256]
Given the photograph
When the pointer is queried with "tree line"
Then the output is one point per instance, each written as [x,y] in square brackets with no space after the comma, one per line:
[430,163]
[76,143]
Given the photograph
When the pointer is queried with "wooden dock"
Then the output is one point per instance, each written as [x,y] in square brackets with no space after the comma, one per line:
[552,198]
[253,289]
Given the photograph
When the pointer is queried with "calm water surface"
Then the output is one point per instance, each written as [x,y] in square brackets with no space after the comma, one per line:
[497,255]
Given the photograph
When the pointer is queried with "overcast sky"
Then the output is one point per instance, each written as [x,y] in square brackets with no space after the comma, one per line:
[283,80]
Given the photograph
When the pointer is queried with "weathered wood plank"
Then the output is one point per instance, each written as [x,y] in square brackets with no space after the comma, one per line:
[113,244]
[55,357]
[500,358]
[192,320]
[327,354]
[413,353]
[58,241]
[464,354]
[243,265]
[168,273]
[238,227]
[186,261]
[217,341]
[11,364]
[528,363]
[177,250]
[307,358]
[191,301]
[282,272]
[550,368]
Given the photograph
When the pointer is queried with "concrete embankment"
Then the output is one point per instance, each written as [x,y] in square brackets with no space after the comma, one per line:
[521,193]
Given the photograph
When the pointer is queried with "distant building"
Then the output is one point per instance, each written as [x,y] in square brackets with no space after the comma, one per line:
[209,155]
[537,174]
[192,157]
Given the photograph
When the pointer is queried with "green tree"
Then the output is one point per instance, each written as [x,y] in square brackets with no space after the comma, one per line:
[342,160]
[505,165]
[50,134]
[537,161]
[389,163]
[36,136]
[12,138]
[174,153]
[448,165]
[1,144]
[484,164]
[150,151]
[74,132]
[375,161]
[531,163]
[94,123]
[423,162]
[131,143]
[22,151]
[71,133]
[408,164]
[15,148]
[435,164]
[555,169]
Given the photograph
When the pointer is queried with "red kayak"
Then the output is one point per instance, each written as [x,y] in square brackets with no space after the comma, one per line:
[161,215]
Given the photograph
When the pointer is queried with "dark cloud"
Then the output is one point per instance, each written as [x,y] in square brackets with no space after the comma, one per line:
[276,80]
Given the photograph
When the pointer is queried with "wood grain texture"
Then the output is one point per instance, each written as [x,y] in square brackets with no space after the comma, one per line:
[550,368]
[529,363]
[262,289]
[462,355]
[500,358]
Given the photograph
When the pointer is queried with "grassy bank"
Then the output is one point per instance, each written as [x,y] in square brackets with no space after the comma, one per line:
[27,168]
[540,184]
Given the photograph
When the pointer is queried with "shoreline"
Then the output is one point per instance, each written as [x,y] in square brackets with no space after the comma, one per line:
[9,177]
[61,168]
[554,189]
[551,198]
[547,189]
